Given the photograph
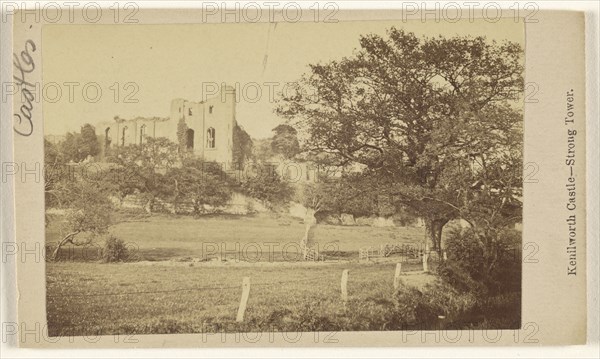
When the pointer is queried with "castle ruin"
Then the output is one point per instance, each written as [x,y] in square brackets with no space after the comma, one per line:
[207,128]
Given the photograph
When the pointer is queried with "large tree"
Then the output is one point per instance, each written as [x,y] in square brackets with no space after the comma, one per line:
[422,116]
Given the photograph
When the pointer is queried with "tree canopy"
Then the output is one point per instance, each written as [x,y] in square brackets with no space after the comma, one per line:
[435,121]
[144,166]
[78,146]
[197,186]
[285,141]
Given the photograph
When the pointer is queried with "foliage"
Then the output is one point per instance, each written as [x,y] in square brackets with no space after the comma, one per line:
[89,145]
[115,250]
[459,278]
[267,186]
[78,146]
[122,181]
[403,218]
[340,195]
[182,136]
[261,150]
[144,167]
[70,147]
[157,153]
[215,169]
[428,117]
[423,308]
[53,172]
[52,154]
[285,141]
[88,210]
[242,145]
[350,193]
[199,187]
[494,262]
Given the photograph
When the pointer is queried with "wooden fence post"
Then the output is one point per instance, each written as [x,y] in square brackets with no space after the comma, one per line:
[345,286]
[397,275]
[425,264]
[244,300]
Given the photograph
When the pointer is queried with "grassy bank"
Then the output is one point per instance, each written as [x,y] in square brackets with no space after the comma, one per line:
[137,298]
[252,238]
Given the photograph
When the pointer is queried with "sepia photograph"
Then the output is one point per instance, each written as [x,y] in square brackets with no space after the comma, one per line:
[286,177]
[215,179]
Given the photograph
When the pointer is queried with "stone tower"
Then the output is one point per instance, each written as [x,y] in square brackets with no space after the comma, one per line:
[210,125]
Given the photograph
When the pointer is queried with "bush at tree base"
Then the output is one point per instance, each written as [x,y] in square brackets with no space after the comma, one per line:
[115,250]
[483,263]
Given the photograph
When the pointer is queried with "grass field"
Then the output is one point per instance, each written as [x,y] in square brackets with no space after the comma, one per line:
[252,238]
[192,299]
[165,291]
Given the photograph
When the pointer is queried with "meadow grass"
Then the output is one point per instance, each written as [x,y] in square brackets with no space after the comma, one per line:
[170,285]
[253,238]
[137,298]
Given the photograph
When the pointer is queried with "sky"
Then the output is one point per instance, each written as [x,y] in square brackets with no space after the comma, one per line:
[141,68]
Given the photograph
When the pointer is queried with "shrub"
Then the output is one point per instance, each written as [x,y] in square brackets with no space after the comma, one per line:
[491,258]
[411,308]
[199,189]
[464,250]
[269,188]
[114,250]
[423,308]
[459,278]
[111,159]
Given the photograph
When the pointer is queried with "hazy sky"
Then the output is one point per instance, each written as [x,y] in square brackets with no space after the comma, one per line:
[173,61]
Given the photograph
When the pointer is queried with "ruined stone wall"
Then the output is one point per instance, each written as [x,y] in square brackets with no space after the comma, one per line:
[209,124]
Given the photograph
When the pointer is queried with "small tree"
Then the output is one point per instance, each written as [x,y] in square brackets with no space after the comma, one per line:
[201,188]
[122,181]
[89,145]
[53,171]
[78,146]
[267,186]
[145,166]
[88,210]
[349,193]
[261,150]
[285,141]
[70,147]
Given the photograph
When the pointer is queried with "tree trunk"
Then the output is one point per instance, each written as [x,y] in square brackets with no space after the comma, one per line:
[68,238]
[490,251]
[309,222]
[433,228]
